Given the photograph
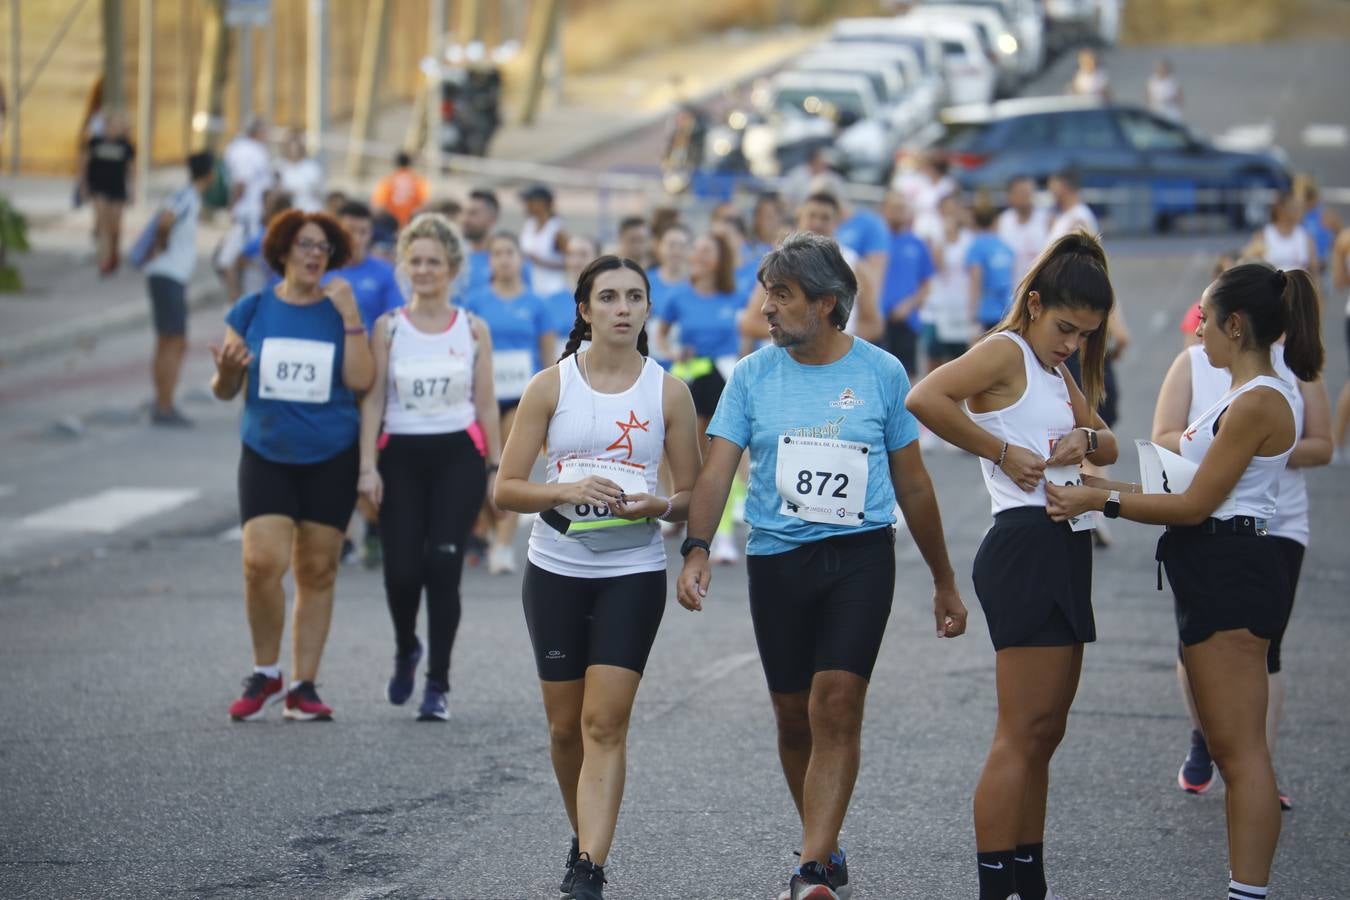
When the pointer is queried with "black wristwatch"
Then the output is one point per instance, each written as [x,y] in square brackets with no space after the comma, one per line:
[691,542]
[1111,508]
[1092,439]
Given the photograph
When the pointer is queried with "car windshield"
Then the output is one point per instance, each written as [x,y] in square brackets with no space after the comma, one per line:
[953,50]
[913,41]
[876,78]
[817,101]
[962,136]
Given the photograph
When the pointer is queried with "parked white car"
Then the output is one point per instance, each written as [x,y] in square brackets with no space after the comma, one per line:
[905,115]
[1026,22]
[971,75]
[928,84]
[799,101]
[996,37]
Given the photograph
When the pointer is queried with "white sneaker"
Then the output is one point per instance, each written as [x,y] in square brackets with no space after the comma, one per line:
[501,560]
[724,550]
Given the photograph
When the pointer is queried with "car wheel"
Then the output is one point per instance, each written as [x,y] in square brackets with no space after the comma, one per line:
[1251,206]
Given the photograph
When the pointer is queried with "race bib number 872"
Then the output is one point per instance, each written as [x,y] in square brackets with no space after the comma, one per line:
[822,480]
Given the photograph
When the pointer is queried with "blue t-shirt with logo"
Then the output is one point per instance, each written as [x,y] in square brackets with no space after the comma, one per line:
[288,431]
[374,286]
[661,291]
[864,232]
[995,260]
[562,312]
[515,324]
[859,397]
[707,321]
[908,266]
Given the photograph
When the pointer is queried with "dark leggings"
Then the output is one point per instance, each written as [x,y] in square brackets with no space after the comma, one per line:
[433,488]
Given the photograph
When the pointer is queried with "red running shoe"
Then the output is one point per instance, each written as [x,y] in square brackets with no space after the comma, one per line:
[259,690]
[303,704]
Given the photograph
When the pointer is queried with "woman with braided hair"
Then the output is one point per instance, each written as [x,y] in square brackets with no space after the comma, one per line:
[595,582]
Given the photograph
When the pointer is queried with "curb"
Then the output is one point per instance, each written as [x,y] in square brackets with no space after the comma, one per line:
[203,292]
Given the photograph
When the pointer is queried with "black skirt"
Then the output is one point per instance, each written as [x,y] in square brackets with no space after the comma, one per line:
[1033,577]
[1225,581]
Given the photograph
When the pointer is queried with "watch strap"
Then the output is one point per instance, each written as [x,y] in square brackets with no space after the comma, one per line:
[691,542]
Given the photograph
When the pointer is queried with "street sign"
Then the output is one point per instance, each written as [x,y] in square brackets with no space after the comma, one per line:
[248,13]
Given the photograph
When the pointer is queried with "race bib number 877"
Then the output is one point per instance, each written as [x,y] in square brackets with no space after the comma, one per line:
[821,480]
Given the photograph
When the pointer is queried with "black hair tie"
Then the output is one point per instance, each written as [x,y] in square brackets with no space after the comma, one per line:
[1281,280]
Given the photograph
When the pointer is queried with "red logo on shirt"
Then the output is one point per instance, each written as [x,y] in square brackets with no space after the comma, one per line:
[625,439]
[1189,435]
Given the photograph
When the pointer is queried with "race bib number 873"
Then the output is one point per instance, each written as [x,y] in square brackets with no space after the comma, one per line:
[821,480]
[297,370]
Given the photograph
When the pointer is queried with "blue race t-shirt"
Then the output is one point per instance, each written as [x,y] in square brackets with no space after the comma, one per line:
[864,232]
[995,260]
[562,312]
[661,291]
[252,251]
[374,285]
[479,272]
[290,431]
[908,266]
[859,398]
[515,324]
[707,322]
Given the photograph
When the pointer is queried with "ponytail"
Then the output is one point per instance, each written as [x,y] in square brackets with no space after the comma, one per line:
[1275,303]
[1303,352]
[581,329]
[1070,272]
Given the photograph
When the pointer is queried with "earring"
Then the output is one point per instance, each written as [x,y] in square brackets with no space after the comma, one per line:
[1033,318]
[1237,335]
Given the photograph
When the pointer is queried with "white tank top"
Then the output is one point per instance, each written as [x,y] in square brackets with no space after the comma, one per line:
[429,388]
[1041,416]
[627,427]
[1027,239]
[541,242]
[1256,492]
[1286,252]
[1208,385]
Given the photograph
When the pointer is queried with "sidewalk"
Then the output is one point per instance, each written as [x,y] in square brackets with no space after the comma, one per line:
[66,304]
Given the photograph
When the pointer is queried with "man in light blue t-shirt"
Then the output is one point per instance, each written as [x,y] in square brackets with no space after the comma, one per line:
[832,450]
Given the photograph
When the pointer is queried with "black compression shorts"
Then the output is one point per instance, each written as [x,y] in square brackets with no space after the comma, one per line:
[323,492]
[579,622]
[822,607]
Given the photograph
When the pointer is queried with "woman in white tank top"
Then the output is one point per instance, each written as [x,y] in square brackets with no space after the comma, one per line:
[1227,576]
[1191,387]
[422,453]
[595,583]
[1011,401]
[1283,242]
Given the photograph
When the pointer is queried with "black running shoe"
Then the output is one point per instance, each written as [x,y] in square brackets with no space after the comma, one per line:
[838,869]
[1197,772]
[566,887]
[588,879]
[811,881]
[401,685]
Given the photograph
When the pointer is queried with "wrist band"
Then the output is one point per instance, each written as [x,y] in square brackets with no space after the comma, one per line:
[1002,455]
[355,329]
[670,504]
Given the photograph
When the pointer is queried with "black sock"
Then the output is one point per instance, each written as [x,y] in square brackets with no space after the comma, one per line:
[1030,868]
[997,878]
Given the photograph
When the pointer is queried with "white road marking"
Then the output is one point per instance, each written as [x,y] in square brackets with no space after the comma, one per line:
[232,534]
[1323,135]
[110,510]
[1251,136]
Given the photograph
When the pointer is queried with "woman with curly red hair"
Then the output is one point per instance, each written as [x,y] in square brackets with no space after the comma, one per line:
[301,351]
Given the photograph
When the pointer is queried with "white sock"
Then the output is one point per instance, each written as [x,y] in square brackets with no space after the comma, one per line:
[295,684]
[1239,891]
[269,671]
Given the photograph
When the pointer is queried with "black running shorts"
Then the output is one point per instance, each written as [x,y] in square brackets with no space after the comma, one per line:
[168,305]
[822,607]
[579,622]
[323,492]
[1221,582]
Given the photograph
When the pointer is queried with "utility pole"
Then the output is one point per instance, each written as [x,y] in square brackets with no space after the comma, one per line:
[245,73]
[145,99]
[316,78]
[15,82]
[367,83]
[436,51]
[114,91]
[207,118]
[270,66]
[542,23]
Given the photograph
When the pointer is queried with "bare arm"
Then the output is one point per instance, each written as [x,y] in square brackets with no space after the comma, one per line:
[976,276]
[868,326]
[232,361]
[1072,449]
[918,501]
[547,349]
[372,404]
[1340,261]
[705,509]
[1174,404]
[1314,447]
[682,451]
[514,491]
[484,391]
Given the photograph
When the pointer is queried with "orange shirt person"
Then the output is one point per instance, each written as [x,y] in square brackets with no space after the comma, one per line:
[402,192]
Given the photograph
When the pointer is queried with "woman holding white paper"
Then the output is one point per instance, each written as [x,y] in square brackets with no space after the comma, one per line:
[595,582]
[1011,401]
[1227,575]
[1193,385]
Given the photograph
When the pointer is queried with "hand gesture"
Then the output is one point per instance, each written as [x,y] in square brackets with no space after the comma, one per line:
[592,490]
[638,506]
[949,611]
[1024,468]
[340,293]
[371,486]
[692,585]
[1064,502]
[1070,450]
[232,360]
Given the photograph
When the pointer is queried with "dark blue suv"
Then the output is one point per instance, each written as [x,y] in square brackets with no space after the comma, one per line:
[1137,168]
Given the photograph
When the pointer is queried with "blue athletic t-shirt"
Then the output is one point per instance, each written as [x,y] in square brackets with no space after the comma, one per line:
[864,232]
[661,291]
[374,285]
[995,259]
[859,398]
[287,431]
[707,322]
[479,272]
[252,251]
[908,266]
[562,312]
[515,324]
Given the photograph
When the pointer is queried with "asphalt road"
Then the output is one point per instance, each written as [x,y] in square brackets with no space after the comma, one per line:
[122,776]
